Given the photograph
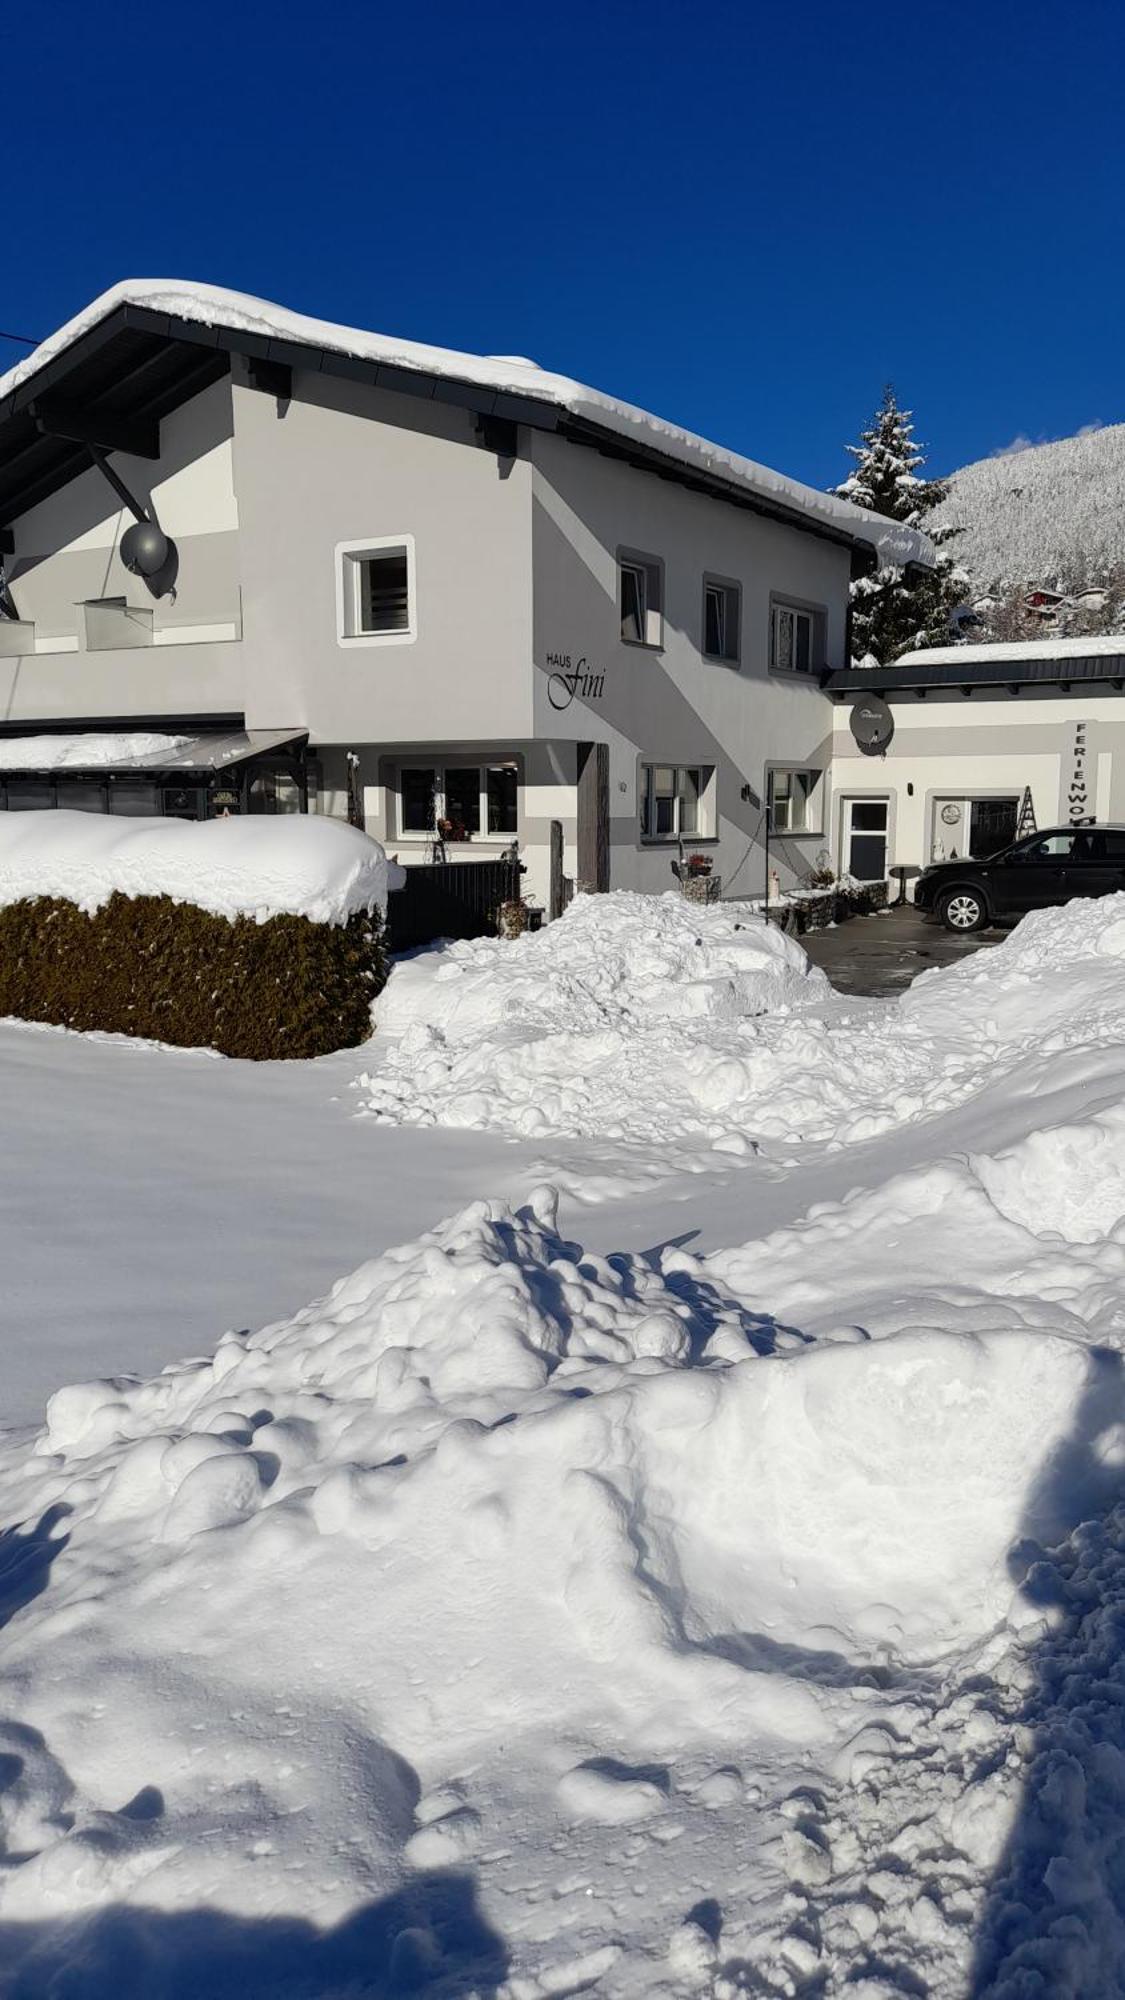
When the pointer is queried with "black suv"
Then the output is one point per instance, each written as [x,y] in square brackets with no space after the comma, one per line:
[1045,868]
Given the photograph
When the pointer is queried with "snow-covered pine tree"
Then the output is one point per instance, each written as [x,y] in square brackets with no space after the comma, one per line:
[894,610]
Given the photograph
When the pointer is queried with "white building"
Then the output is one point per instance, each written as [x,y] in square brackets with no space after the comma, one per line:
[982,735]
[498,600]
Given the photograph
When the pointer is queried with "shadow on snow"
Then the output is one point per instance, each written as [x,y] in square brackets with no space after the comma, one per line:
[1054,1920]
[427,1937]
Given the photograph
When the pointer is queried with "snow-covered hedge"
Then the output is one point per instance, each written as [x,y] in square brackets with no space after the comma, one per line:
[258,938]
[271,866]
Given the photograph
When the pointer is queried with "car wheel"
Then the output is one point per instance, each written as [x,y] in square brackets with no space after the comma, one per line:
[963,910]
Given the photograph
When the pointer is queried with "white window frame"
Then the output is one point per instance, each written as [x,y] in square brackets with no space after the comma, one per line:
[651,571]
[440,765]
[349,556]
[705,830]
[732,592]
[785,607]
[814,800]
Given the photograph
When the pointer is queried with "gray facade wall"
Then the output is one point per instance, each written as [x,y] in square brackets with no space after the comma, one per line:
[673,705]
[516,568]
[66,551]
[344,463]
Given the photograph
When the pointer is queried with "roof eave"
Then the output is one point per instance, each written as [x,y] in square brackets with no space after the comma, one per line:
[536,412]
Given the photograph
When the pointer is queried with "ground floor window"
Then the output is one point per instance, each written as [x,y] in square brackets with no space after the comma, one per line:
[676,801]
[458,801]
[138,798]
[796,801]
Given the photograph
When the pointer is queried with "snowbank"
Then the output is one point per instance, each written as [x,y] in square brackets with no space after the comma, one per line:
[512,1558]
[604,1023]
[295,865]
[646,1019]
[212,305]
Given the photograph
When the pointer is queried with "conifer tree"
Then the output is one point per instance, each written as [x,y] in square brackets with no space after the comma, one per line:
[897,609]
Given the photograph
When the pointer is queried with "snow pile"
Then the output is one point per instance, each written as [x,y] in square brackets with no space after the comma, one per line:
[602,1023]
[257,867]
[212,305]
[91,751]
[645,1019]
[556,1568]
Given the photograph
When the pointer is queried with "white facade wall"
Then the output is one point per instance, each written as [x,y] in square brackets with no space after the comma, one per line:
[1068,749]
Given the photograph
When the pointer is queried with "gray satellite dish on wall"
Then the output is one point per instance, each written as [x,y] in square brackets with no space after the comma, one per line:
[872,724]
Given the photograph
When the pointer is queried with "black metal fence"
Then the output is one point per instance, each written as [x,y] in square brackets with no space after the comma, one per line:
[456,899]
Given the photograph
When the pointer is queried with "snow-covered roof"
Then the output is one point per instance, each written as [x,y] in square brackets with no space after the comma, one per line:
[212,305]
[997,651]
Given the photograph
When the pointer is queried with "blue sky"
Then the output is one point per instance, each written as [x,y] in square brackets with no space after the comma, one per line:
[746,217]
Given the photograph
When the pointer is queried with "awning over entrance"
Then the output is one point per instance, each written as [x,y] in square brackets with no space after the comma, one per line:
[147,772]
[102,753]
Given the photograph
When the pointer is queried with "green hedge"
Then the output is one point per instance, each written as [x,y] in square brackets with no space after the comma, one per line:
[145,965]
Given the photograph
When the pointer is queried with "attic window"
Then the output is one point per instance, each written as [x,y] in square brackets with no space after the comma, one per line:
[375,602]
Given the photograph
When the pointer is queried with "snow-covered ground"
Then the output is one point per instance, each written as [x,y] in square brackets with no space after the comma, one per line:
[707,1581]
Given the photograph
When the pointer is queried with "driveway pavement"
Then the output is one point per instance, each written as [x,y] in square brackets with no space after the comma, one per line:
[880,955]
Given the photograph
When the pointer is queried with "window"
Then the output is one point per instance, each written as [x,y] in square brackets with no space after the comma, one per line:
[375,592]
[502,789]
[793,640]
[81,795]
[458,801]
[676,801]
[795,801]
[642,601]
[1052,847]
[721,620]
[1104,846]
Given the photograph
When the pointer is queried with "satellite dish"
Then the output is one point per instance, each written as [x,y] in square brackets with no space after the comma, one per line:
[144,548]
[872,724]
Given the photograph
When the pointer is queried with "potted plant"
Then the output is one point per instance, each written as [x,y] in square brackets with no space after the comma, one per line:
[513,918]
[699,864]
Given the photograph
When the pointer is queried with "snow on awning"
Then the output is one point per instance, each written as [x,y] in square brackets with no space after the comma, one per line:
[143,750]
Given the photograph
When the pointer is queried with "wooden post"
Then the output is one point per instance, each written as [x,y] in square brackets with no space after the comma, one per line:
[356,816]
[593,817]
[555,899]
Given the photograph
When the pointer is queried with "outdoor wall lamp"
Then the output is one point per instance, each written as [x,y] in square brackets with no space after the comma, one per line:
[146,550]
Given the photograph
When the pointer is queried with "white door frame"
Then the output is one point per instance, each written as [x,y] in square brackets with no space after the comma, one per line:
[847,801]
[960,834]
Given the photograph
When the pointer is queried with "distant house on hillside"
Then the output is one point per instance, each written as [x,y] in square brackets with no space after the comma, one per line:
[1043,604]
